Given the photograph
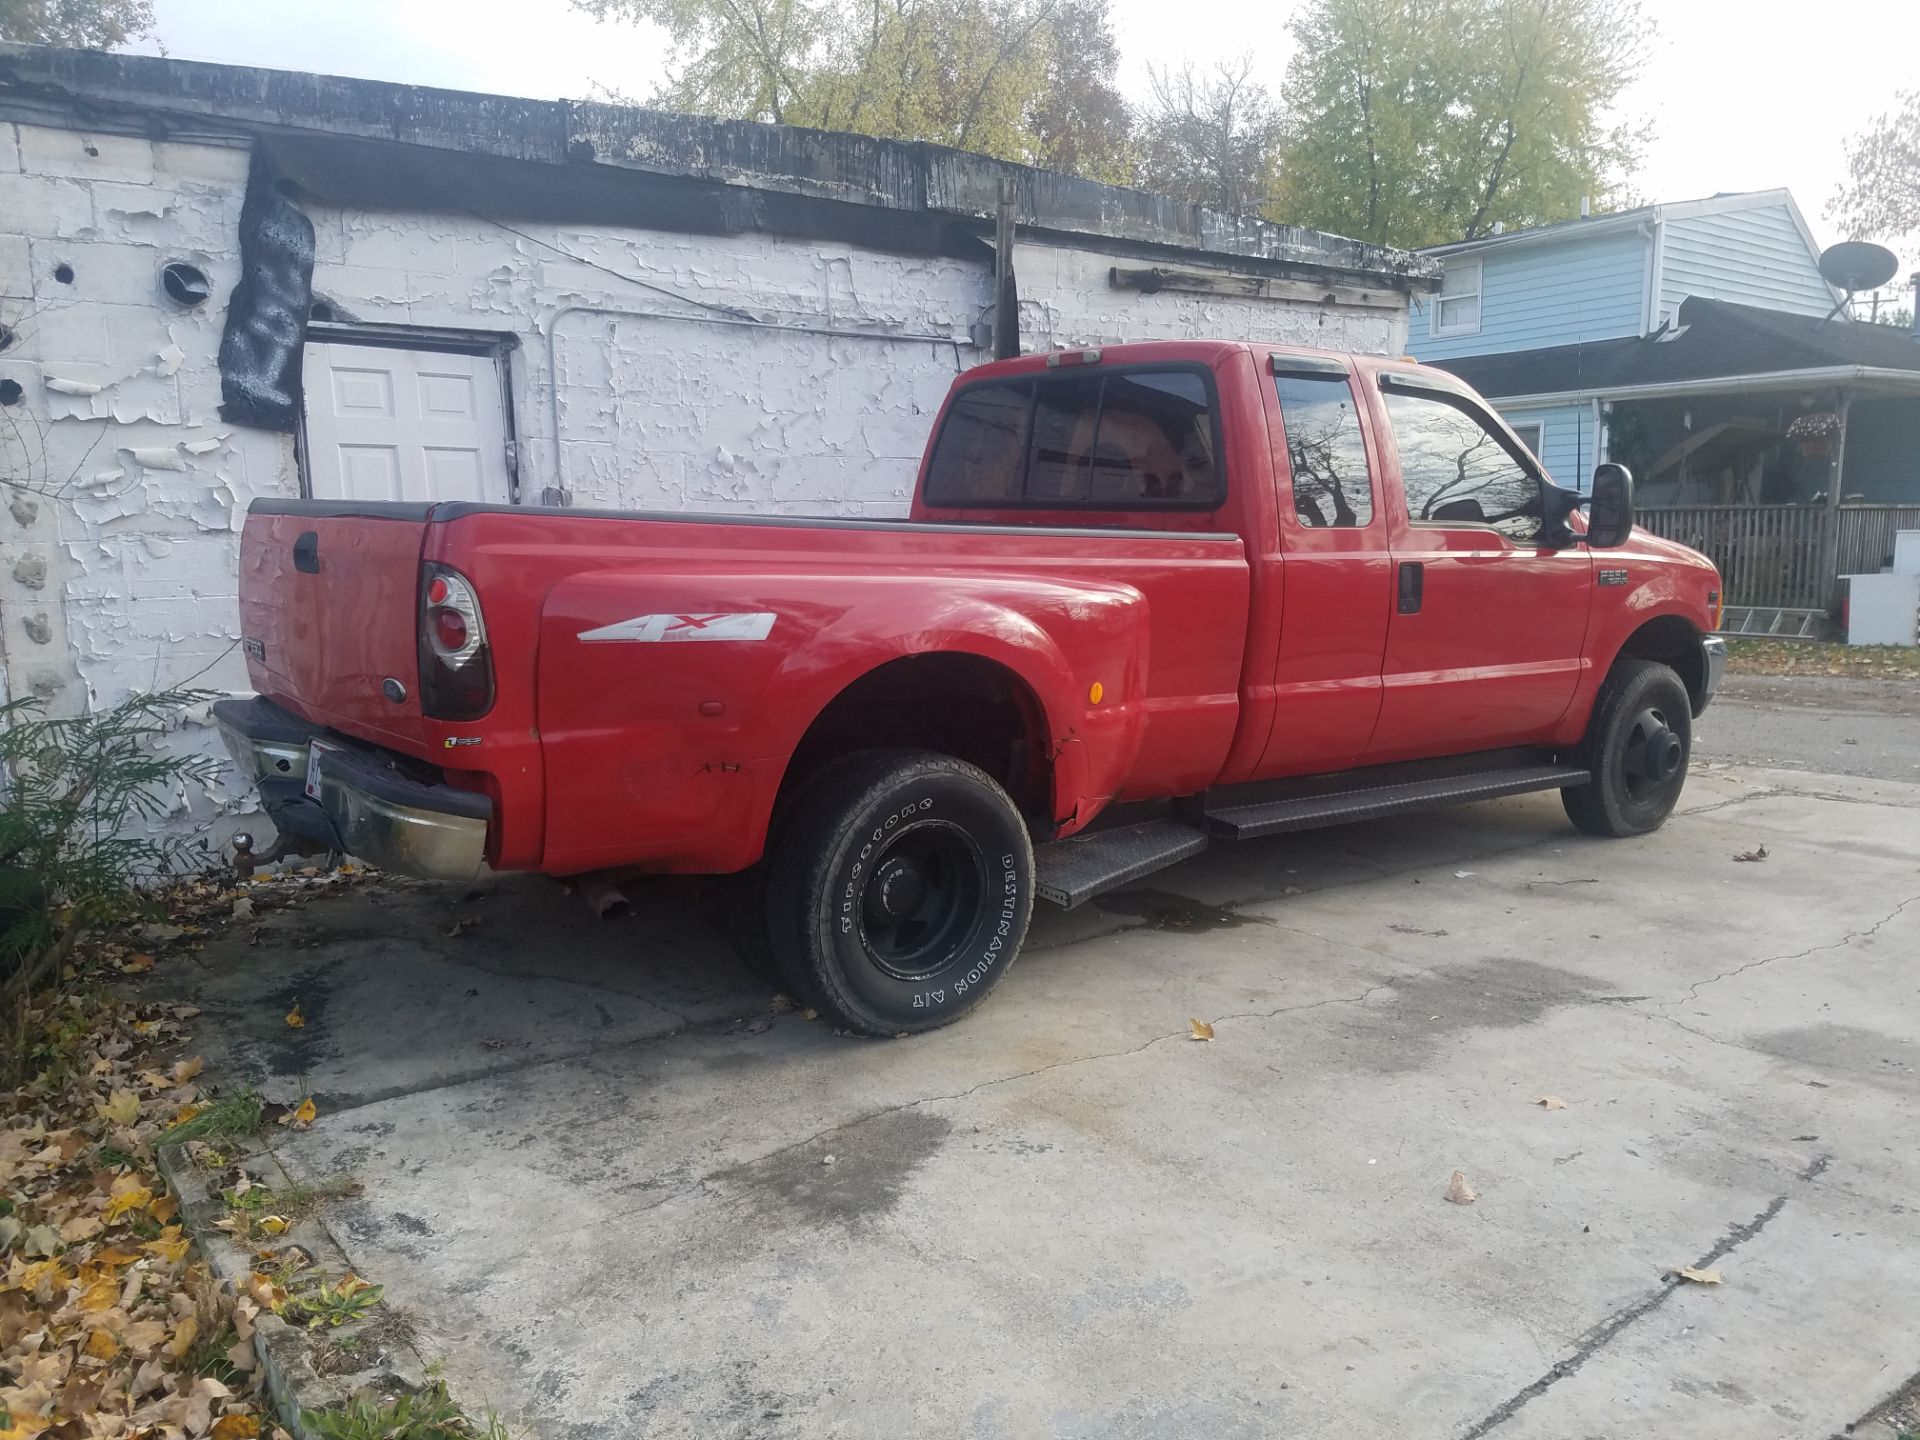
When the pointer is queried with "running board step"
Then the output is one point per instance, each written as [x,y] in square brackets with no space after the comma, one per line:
[1071,872]
[1307,812]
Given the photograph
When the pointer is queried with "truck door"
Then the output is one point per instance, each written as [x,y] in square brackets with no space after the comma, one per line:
[1488,624]
[1337,568]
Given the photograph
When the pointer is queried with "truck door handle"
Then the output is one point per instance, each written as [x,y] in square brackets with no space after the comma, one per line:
[1413,583]
[306,553]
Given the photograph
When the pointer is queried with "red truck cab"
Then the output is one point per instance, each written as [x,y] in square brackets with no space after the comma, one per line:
[1147,597]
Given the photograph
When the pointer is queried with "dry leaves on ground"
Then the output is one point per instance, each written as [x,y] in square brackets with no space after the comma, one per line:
[1549,1102]
[1199,1030]
[1696,1277]
[1747,857]
[1459,1191]
[110,1326]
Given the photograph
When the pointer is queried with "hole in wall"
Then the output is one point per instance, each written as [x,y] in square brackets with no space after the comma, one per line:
[185,284]
[92,149]
[63,272]
[10,392]
[320,310]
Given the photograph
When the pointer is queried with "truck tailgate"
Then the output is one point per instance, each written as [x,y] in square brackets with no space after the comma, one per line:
[328,607]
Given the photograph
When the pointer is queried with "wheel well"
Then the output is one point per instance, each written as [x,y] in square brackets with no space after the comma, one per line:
[1672,640]
[965,706]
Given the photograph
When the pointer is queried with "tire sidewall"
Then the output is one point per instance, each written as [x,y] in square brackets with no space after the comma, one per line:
[999,925]
[1663,689]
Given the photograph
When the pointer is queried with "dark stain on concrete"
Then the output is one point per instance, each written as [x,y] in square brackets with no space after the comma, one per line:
[1433,1007]
[1164,911]
[1860,1054]
[872,1163]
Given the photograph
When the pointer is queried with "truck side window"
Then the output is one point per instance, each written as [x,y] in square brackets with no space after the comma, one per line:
[1325,451]
[1131,440]
[1458,472]
[983,447]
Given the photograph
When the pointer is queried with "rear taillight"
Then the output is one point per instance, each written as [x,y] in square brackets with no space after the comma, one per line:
[456,663]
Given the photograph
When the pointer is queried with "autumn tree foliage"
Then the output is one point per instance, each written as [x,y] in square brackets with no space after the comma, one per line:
[83,24]
[1880,198]
[1026,80]
[1418,122]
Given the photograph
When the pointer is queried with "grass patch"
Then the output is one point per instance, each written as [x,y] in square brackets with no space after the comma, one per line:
[228,1118]
[429,1415]
[1758,656]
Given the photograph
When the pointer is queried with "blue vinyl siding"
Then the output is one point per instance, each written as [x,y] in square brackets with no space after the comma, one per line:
[1552,293]
[1566,443]
[1748,257]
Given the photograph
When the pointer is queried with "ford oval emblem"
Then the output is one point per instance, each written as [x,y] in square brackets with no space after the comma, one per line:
[393,690]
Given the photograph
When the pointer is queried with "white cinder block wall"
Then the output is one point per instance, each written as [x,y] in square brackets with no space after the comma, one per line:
[126,491]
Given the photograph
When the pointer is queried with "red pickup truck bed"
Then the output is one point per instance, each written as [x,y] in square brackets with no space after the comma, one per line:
[1170,592]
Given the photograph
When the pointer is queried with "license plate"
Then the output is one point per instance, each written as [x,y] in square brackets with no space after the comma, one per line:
[315,749]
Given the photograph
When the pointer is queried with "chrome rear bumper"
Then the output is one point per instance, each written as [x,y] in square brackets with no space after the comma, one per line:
[366,805]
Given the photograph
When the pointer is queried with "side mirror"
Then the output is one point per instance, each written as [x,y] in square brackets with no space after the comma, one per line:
[1610,508]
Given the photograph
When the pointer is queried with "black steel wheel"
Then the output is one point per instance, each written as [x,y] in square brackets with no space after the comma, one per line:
[900,890]
[1636,747]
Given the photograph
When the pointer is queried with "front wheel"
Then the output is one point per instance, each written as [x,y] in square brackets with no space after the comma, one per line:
[901,891]
[1637,747]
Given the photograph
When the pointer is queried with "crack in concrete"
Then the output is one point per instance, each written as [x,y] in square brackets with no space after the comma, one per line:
[1599,1336]
[1693,990]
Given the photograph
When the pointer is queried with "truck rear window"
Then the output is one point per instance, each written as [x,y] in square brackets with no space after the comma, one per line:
[1120,440]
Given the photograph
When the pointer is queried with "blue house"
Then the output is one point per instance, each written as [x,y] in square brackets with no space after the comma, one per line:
[1698,344]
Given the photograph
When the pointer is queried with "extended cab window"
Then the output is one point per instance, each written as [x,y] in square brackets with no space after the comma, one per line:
[1325,451]
[1458,471]
[1129,440]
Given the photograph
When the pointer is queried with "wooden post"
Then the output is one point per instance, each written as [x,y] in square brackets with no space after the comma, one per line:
[1830,535]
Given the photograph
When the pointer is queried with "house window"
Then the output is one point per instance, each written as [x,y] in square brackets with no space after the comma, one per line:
[1456,309]
[1532,436]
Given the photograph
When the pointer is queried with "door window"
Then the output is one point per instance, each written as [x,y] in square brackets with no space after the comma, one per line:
[1325,451]
[1458,471]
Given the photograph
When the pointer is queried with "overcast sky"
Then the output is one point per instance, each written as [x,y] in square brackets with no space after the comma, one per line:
[1744,95]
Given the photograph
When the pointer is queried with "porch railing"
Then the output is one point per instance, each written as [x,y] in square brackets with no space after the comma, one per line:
[1769,555]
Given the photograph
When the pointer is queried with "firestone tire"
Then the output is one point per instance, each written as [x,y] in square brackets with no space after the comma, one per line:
[901,890]
[1637,746]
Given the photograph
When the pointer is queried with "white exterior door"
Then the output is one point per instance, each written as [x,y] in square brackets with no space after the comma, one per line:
[390,424]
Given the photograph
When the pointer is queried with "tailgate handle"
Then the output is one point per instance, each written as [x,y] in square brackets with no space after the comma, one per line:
[1413,576]
[306,553]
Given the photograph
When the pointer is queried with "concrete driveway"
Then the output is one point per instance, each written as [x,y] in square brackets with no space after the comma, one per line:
[625,1197]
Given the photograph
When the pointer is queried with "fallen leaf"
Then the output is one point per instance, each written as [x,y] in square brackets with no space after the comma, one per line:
[187,1069]
[125,1201]
[1750,855]
[273,1224]
[1200,1029]
[136,964]
[183,1338]
[236,1427]
[123,1108]
[101,1345]
[243,908]
[304,1113]
[1459,1191]
[1549,1102]
[39,1240]
[295,1020]
[81,1227]
[1698,1277]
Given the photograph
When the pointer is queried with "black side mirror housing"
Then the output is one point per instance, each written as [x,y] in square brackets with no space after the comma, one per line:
[1610,507]
[1556,504]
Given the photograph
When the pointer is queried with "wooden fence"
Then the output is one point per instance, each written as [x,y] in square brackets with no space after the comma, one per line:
[1770,554]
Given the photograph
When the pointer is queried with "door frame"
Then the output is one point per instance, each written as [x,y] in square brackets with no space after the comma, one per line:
[496,345]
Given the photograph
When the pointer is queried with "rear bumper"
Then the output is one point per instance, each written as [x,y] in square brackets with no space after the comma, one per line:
[366,806]
[1713,655]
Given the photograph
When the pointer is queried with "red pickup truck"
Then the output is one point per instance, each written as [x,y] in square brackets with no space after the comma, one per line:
[1148,596]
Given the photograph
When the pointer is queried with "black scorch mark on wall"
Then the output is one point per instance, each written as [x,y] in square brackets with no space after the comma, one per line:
[267,316]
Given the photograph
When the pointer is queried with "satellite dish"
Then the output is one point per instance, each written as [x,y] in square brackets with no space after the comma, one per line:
[1854,265]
